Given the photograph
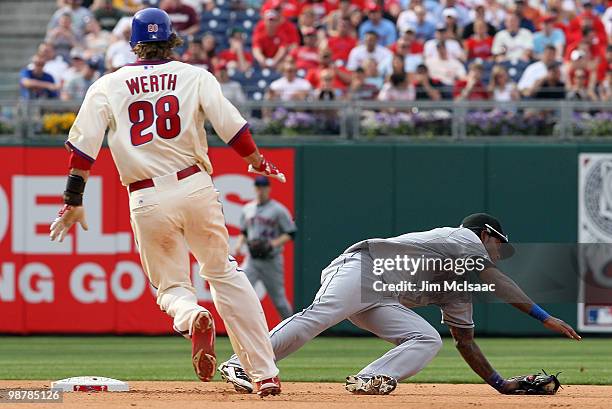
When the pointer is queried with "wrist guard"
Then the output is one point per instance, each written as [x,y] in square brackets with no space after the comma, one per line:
[75,186]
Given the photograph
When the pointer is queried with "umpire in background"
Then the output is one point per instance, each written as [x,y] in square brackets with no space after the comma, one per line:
[266,225]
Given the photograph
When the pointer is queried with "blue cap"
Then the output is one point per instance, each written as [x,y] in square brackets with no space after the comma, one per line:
[150,25]
[262,181]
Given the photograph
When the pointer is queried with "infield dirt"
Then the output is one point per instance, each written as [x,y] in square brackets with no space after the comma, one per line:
[187,395]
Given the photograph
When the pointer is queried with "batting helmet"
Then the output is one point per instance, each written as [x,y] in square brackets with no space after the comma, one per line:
[150,25]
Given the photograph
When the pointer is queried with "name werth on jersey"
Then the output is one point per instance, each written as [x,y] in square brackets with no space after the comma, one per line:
[151,83]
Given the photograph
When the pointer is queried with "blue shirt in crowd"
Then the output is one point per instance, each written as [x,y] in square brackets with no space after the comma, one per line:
[40,93]
[385,30]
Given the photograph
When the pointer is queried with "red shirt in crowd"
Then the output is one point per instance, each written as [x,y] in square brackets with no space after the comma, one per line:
[416,47]
[182,17]
[574,29]
[305,57]
[289,8]
[286,29]
[228,55]
[479,92]
[314,77]
[479,48]
[341,46]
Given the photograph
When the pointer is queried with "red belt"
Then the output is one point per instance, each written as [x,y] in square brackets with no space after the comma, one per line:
[181,174]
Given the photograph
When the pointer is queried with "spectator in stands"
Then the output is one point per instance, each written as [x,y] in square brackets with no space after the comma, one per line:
[288,30]
[271,45]
[525,14]
[604,90]
[79,17]
[341,76]
[326,91]
[384,28]
[289,87]
[334,19]
[62,37]
[452,26]
[501,88]
[54,64]
[288,9]
[537,70]
[236,57]
[120,52]
[359,89]
[185,20]
[479,14]
[77,65]
[107,15]
[398,88]
[369,49]
[480,44]
[587,18]
[589,41]
[75,88]
[495,13]
[549,87]
[417,20]
[427,88]
[580,89]
[307,56]
[35,83]
[549,35]
[514,43]
[410,50]
[232,90]
[472,88]
[453,48]
[307,22]
[373,75]
[96,39]
[342,42]
[463,15]
[445,68]
[195,55]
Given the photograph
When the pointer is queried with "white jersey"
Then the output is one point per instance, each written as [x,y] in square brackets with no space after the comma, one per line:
[155,113]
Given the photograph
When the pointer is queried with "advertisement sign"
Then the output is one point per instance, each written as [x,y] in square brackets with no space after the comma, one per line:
[93,281]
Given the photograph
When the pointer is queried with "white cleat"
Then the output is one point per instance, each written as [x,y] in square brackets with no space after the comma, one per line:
[235,375]
[370,384]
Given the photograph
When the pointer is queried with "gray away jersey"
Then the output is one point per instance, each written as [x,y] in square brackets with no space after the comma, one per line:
[266,221]
[441,243]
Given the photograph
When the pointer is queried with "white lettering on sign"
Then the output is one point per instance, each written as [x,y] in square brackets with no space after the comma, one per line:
[7,282]
[96,291]
[4,214]
[36,283]
[137,281]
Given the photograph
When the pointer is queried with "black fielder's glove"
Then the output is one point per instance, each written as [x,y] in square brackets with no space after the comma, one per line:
[260,248]
[538,384]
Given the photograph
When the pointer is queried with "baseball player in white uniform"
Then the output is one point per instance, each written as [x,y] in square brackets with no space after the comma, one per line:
[350,290]
[154,111]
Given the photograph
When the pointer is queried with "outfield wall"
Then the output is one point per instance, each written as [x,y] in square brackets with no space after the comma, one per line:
[347,193]
[343,193]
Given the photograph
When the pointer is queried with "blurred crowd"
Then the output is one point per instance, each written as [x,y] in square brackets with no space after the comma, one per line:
[398,50]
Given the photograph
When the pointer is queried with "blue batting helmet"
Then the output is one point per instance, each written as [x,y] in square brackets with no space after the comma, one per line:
[149,25]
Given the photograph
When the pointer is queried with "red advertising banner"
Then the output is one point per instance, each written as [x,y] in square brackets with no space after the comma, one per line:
[93,281]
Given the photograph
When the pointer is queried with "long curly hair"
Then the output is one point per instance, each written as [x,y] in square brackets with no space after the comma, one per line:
[157,50]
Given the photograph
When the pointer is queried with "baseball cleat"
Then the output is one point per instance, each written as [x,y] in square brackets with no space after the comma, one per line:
[370,384]
[237,376]
[270,386]
[203,346]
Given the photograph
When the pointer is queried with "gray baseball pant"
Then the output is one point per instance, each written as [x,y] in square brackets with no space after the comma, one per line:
[417,342]
[271,272]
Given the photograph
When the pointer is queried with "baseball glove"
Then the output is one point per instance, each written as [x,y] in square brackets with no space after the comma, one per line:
[538,384]
[259,248]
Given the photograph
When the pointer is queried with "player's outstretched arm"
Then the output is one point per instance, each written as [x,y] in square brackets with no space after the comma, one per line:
[471,353]
[509,291]
[72,212]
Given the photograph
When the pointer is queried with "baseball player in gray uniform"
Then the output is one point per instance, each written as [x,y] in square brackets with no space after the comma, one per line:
[388,314]
[266,225]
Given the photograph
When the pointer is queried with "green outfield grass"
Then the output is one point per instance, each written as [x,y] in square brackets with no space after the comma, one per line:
[323,359]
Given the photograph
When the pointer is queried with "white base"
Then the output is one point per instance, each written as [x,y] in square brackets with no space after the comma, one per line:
[90,384]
